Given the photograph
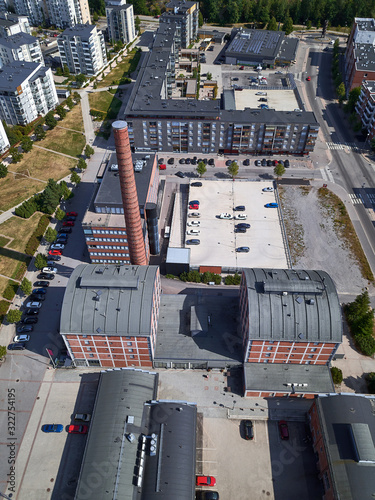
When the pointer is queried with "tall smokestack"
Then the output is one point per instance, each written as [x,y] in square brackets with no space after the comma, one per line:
[129,195]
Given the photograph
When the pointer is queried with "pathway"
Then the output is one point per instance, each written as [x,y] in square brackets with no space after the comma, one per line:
[56,152]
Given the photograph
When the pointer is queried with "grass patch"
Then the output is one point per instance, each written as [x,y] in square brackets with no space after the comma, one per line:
[13,264]
[104,101]
[335,209]
[20,230]
[3,285]
[64,141]
[15,189]
[294,231]
[4,241]
[123,69]
[73,119]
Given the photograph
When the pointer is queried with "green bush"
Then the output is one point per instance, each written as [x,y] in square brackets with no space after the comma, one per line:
[192,276]
[4,306]
[336,375]
[10,290]
[171,276]
[365,344]
[14,315]
[234,279]
[40,261]
[370,379]
[360,318]
[35,238]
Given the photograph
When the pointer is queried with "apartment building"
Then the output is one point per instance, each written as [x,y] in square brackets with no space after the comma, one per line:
[59,13]
[157,122]
[365,108]
[27,91]
[4,141]
[110,315]
[82,49]
[120,21]
[20,47]
[35,10]
[185,16]
[360,53]
[11,24]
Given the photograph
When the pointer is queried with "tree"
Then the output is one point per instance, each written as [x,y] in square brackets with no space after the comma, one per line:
[26,286]
[89,151]
[76,97]
[16,155]
[50,235]
[336,375]
[75,178]
[200,19]
[3,170]
[66,70]
[137,23]
[288,25]
[26,144]
[69,102]
[233,169]
[14,315]
[232,12]
[61,111]
[95,17]
[82,165]
[353,98]
[370,379]
[3,351]
[279,170]
[272,25]
[40,261]
[209,76]
[341,92]
[80,79]
[201,168]
[59,214]
[40,133]
[50,120]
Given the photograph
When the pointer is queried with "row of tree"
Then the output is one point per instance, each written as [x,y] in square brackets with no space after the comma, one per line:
[360,318]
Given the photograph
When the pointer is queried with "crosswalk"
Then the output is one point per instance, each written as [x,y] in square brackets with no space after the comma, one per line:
[366,199]
[356,199]
[352,146]
[326,174]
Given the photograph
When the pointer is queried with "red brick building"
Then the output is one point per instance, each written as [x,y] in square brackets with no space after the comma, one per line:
[110,315]
[343,432]
[360,53]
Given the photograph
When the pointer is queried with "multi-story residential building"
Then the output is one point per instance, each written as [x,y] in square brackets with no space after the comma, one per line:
[59,13]
[360,53]
[365,108]
[185,16]
[20,47]
[35,10]
[27,91]
[4,141]
[104,224]
[10,24]
[110,315]
[156,122]
[120,21]
[343,435]
[82,49]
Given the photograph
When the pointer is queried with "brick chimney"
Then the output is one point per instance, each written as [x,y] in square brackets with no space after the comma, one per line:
[129,195]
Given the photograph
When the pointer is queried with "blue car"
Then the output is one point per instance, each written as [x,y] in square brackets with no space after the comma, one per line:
[39,291]
[271,205]
[52,428]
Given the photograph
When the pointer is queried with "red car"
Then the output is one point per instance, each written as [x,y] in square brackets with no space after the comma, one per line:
[55,252]
[68,223]
[78,429]
[162,166]
[194,207]
[72,214]
[242,67]
[308,78]
[206,481]
[283,429]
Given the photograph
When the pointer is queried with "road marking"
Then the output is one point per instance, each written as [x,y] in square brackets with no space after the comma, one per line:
[355,199]
[207,461]
[352,146]
[323,174]
[330,176]
[326,174]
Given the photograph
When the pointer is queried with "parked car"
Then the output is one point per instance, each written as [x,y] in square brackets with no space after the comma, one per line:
[25,328]
[193,242]
[62,236]
[246,162]
[248,429]
[196,184]
[60,241]
[283,429]
[286,163]
[261,93]
[225,215]
[21,338]
[242,67]
[34,305]
[65,230]
[240,217]
[68,223]
[46,276]
[180,174]
[77,429]
[18,346]
[243,249]
[262,99]
[54,257]
[228,163]
[39,291]
[207,495]
[162,166]
[70,218]
[57,246]
[161,161]
[182,161]
[278,72]
[211,162]
[243,224]
[170,161]
[263,106]
[258,163]
[55,252]
[32,311]
[52,428]
[72,214]
[271,205]
[194,202]
[235,79]
[264,162]
[83,417]
[269,188]
[37,297]
[50,262]
[29,320]
[48,269]
[269,163]
[240,230]
[194,207]
[193,232]
[194,223]
[205,481]
[194,214]
[187,161]
[239,208]
[41,283]
[308,78]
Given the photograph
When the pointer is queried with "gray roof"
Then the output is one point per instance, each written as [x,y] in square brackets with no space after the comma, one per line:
[81,30]
[259,43]
[276,377]
[109,300]
[297,305]
[121,393]
[14,74]
[288,49]
[348,424]
[180,4]
[15,41]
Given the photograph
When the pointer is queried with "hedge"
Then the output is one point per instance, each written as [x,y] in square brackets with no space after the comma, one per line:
[10,290]
[4,306]
[35,238]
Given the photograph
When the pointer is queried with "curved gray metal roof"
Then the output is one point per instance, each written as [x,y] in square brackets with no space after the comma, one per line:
[109,300]
[298,305]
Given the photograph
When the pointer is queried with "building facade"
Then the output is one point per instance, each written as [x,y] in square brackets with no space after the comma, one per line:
[82,49]
[4,141]
[27,90]
[35,10]
[20,47]
[11,24]
[185,16]
[365,108]
[360,53]
[110,315]
[120,21]
[60,13]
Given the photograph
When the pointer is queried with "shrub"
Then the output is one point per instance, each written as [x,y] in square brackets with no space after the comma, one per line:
[4,306]
[50,234]
[10,290]
[171,276]
[234,279]
[26,286]
[370,379]
[3,351]
[336,375]
[35,238]
[365,344]
[40,261]
[14,315]
[27,209]
[3,170]
[360,318]
[59,214]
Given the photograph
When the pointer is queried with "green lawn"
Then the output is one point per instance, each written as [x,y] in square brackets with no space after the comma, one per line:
[64,141]
[124,68]
[104,101]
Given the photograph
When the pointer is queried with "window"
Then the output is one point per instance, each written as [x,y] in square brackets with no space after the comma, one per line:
[87,342]
[132,356]
[310,356]
[313,350]
[129,343]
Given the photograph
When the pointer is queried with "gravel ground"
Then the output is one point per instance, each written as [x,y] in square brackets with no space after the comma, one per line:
[313,241]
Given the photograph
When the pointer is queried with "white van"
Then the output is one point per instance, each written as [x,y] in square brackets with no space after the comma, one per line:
[167,231]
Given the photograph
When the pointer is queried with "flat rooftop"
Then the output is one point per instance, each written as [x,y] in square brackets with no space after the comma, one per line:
[218,241]
[279,100]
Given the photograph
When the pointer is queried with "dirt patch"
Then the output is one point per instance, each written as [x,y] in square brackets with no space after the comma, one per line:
[314,240]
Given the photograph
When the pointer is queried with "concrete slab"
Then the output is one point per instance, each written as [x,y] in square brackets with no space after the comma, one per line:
[284,100]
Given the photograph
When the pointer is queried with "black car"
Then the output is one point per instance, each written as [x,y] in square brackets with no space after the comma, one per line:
[207,495]
[211,161]
[239,208]
[196,184]
[171,161]
[64,230]
[193,242]
[160,161]
[55,258]
[18,346]
[243,249]
[264,162]
[42,284]
[286,163]
[32,311]
[37,297]
[180,174]
[193,161]
[182,161]
[228,163]
[29,320]
[269,163]
[46,276]
[25,328]
[249,429]
[246,162]
[243,224]
[70,218]
[240,230]
[62,241]
[187,161]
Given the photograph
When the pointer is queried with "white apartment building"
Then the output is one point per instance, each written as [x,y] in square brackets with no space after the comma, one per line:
[4,141]
[10,24]
[20,47]
[59,13]
[27,91]
[82,49]
[120,21]
[33,9]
